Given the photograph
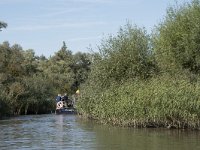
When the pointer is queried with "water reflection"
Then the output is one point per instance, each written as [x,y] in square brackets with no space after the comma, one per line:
[109,137]
[71,132]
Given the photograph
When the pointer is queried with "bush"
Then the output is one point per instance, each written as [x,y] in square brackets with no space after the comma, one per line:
[160,102]
[124,56]
[177,39]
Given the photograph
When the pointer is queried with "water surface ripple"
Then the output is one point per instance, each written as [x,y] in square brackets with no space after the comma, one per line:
[38,132]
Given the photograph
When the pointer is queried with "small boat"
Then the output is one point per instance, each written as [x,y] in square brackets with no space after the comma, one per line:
[66,111]
[65,108]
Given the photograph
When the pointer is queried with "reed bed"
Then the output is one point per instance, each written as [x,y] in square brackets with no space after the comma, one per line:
[159,102]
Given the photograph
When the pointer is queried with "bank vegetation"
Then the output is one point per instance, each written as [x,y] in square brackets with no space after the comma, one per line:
[148,80]
[30,83]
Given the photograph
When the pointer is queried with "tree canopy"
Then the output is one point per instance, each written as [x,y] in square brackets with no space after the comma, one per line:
[29,83]
[177,39]
[2,25]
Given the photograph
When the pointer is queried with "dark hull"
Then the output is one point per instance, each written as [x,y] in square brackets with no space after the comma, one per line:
[66,111]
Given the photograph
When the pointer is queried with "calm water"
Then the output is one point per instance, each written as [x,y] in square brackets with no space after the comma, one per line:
[70,132]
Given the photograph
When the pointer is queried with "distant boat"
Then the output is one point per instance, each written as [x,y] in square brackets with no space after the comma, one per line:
[66,111]
[63,107]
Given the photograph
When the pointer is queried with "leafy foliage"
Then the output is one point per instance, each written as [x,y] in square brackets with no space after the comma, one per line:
[3,25]
[176,42]
[28,83]
[148,81]
[123,57]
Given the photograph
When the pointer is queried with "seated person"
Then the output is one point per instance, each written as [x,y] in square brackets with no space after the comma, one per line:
[65,97]
[58,98]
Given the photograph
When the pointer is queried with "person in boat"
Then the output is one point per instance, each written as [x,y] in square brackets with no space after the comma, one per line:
[58,98]
[59,102]
[78,92]
[65,97]
[69,102]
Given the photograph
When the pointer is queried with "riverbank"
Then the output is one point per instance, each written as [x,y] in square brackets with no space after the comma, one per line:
[160,102]
[148,80]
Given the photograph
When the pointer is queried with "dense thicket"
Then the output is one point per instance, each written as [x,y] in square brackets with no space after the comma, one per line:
[123,57]
[148,80]
[29,84]
[176,40]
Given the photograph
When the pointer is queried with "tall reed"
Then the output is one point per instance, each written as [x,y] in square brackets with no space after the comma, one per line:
[165,101]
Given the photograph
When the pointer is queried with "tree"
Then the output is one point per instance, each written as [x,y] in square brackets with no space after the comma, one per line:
[24,87]
[123,57]
[81,68]
[30,62]
[177,39]
[59,70]
[2,25]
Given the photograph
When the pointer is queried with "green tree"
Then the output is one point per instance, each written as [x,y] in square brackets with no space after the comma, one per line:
[176,40]
[30,62]
[122,57]
[122,60]
[59,70]
[81,68]
[11,75]
[2,25]
[24,86]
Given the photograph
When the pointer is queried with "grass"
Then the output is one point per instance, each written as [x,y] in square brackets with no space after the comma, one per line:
[159,102]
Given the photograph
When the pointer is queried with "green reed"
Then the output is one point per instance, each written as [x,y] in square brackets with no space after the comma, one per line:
[159,102]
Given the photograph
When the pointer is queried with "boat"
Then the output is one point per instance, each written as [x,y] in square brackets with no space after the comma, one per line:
[63,107]
[66,111]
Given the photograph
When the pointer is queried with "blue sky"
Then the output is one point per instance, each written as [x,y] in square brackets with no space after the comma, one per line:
[43,25]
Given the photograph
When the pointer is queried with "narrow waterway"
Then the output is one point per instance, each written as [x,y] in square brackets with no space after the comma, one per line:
[39,132]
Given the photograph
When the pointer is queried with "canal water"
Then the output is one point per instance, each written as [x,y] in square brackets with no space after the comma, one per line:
[38,132]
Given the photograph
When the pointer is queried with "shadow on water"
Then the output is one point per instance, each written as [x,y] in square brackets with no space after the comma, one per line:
[71,132]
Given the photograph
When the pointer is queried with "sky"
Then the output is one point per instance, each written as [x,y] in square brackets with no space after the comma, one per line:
[43,25]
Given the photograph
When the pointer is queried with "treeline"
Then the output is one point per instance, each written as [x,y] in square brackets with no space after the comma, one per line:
[29,83]
[148,80]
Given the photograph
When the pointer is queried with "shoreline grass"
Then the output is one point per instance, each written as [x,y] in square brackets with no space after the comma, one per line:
[159,102]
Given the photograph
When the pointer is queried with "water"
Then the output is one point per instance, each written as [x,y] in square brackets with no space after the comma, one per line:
[69,132]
